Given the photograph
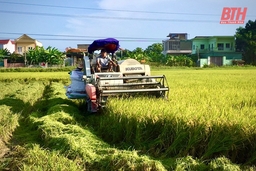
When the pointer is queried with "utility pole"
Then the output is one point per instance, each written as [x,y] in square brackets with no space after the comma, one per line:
[25,56]
[197,51]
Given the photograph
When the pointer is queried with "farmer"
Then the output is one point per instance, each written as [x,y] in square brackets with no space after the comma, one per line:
[104,62]
[79,67]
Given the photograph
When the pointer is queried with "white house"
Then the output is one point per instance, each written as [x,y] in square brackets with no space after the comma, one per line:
[7,44]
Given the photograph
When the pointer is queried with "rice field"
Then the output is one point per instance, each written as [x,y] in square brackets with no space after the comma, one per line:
[207,123]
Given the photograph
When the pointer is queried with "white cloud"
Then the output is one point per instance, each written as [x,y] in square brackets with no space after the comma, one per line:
[130,5]
[133,28]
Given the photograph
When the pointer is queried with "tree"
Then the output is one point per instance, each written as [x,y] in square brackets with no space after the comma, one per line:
[180,60]
[12,57]
[154,52]
[34,56]
[246,42]
[54,56]
[49,55]
[4,53]
[137,54]
[123,54]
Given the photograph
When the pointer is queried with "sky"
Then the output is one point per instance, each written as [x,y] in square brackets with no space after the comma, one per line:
[135,23]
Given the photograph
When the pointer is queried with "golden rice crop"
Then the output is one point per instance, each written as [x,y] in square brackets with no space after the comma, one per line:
[209,115]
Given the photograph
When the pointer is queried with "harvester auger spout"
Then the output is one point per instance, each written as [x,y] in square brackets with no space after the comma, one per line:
[129,77]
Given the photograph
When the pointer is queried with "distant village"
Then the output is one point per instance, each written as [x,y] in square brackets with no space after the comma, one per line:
[217,50]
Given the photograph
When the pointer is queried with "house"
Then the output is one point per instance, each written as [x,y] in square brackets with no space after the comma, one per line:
[7,44]
[177,44]
[83,47]
[75,55]
[216,50]
[25,43]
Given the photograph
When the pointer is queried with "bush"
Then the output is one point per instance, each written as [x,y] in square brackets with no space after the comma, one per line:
[37,69]
[180,60]
[238,62]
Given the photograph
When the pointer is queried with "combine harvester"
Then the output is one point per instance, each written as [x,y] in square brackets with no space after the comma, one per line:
[128,77]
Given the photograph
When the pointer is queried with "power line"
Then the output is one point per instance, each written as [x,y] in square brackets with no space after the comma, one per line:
[91,40]
[88,38]
[105,9]
[104,17]
[75,36]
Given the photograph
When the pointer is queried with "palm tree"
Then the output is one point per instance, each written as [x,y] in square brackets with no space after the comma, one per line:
[4,53]
[48,56]
[54,56]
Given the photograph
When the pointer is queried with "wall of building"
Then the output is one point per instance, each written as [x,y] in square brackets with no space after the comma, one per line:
[226,61]
[9,46]
[203,62]
[196,45]
[9,65]
[25,47]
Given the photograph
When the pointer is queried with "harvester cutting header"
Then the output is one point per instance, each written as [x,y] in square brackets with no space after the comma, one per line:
[104,76]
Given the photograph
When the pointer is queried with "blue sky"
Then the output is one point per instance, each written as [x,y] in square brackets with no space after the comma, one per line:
[135,23]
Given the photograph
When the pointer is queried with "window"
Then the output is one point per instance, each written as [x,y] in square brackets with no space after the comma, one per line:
[174,45]
[19,49]
[174,36]
[227,45]
[220,46]
[202,46]
[30,48]
[194,47]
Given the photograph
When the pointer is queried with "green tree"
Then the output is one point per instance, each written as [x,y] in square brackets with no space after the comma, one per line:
[246,42]
[180,60]
[137,54]
[54,56]
[4,53]
[122,54]
[14,57]
[154,52]
[34,56]
[49,55]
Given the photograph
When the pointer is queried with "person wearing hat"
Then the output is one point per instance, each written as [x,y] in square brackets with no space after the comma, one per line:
[104,61]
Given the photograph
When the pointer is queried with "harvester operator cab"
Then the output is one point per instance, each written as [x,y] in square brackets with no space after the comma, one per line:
[105,61]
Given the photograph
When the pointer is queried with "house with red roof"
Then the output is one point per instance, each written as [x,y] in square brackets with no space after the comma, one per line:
[7,44]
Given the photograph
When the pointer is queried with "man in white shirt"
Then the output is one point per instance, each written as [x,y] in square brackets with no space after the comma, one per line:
[104,62]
